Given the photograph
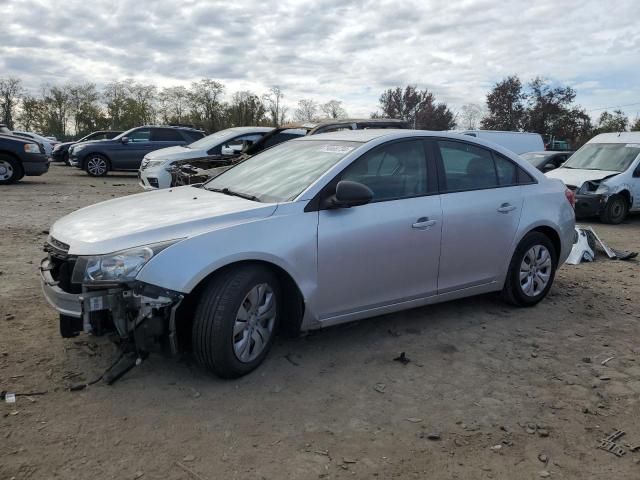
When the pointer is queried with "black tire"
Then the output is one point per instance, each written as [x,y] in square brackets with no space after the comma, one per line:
[95,159]
[615,210]
[513,291]
[215,318]
[10,170]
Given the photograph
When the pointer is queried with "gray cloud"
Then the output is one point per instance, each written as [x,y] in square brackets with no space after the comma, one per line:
[350,50]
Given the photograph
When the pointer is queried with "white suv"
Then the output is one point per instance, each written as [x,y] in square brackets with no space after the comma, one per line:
[154,171]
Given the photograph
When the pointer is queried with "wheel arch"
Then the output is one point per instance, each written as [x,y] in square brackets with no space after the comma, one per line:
[551,234]
[293,300]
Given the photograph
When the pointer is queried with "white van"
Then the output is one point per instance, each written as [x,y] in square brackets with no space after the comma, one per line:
[518,142]
[605,175]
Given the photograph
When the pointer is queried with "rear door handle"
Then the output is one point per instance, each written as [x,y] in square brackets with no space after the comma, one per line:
[506,208]
[423,223]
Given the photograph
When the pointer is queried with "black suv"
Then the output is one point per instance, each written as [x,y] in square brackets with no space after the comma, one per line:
[19,157]
[60,152]
[125,151]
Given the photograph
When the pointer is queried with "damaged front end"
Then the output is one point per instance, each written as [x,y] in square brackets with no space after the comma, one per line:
[191,172]
[591,197]
[99,295]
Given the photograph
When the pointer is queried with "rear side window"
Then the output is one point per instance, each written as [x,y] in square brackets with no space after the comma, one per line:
[166,135]
[193,136]
[279,138]
[467,167]
[507,171]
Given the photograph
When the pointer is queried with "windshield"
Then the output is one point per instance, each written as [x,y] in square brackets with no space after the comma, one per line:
[217,138]
[613,157]
[124,134]
[283,172]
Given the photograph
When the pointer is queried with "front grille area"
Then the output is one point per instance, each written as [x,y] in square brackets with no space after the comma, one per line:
[62,265]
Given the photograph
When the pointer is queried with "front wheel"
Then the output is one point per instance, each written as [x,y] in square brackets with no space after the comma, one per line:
[235,320]
[96,166]
[10,170]
[531,271]
[615,210]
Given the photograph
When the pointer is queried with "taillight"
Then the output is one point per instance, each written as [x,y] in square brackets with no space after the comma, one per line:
[571,197]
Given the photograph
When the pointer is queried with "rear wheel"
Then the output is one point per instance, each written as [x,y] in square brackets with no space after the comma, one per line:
[96,165]
[531,271]
[235,320]
[10,170]
[615,210]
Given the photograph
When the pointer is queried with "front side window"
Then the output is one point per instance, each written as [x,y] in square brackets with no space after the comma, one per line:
[467,167]
[141,135]
[613,157]
[283,172]
[392,171]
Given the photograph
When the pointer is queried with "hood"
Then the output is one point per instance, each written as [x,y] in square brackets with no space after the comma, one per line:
[576,177]
[153,217]
[176,153]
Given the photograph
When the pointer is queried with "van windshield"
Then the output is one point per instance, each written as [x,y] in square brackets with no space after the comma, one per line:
[612,157]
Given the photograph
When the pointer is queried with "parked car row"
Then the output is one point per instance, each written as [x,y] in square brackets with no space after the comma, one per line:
[60,152]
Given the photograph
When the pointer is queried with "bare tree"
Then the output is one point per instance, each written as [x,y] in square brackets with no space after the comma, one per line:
[307,111]
[273,100]
[10,93]
[205,99]
[333,109]
[470,116]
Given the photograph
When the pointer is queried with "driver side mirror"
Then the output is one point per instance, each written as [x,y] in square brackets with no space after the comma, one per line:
[124,139]
[636,172]
[349,194]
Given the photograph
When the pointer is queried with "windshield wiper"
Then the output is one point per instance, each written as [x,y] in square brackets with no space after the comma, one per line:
[232,193]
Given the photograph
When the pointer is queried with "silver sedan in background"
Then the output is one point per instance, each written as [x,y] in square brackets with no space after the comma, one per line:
[313,232]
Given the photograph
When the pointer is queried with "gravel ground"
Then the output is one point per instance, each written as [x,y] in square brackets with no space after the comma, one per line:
[489,391]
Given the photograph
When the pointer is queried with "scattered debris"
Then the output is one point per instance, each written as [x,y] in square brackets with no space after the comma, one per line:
[189,458]
[607,360]
[588,241]
[402,358]
[414,420]
[189,471]
[609,443]
[543,458]
[380,387]
[349,460]
[544,474]
[291,360]
[542,432]
[605,378]
[586,359]
[433,436]
[496,448]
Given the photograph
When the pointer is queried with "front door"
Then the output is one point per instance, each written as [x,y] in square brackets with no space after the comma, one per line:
[386,251]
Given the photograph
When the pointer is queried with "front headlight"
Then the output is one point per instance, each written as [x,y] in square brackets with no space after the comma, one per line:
[76,149]
[57,147]
[153,164]
[118,267]
[31,148]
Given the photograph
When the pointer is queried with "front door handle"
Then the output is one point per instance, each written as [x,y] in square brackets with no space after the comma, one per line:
[506,208]
[423,223]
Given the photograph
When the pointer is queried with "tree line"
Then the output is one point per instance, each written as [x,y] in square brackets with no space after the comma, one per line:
[77,109]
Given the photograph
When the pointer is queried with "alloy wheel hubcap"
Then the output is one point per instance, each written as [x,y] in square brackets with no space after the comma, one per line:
[97,166]
[254,323]
[6,170]
[535,270]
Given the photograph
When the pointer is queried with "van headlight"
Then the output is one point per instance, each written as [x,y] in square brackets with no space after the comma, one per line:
[118,267]
[602,189]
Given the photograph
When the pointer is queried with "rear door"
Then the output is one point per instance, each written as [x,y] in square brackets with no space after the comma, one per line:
[386,251]
[166,137]
[481,207]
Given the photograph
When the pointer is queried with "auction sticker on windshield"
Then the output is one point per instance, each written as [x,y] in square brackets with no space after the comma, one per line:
[335,149]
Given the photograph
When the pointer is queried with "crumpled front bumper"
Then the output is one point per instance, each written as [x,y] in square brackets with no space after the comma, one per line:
[589,205]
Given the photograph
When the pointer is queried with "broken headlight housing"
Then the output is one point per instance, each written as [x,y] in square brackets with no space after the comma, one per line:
[117,267]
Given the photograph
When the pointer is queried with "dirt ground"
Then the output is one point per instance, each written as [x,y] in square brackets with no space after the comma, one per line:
[490,391]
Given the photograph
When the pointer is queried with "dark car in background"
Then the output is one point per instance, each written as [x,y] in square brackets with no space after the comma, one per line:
[126,151]
[20,156]
[60,152]
[547,160]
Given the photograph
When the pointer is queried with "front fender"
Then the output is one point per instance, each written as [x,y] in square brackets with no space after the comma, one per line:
[285,239]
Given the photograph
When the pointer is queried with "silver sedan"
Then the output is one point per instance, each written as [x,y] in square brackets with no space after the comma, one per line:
[313,232]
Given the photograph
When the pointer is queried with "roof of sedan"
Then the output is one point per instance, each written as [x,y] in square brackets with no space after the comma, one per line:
[366,135]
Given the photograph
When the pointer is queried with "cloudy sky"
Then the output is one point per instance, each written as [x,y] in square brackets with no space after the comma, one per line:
[343,49]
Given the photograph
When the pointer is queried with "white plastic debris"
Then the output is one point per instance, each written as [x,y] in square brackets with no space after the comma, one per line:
[581,250]
[10,398]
